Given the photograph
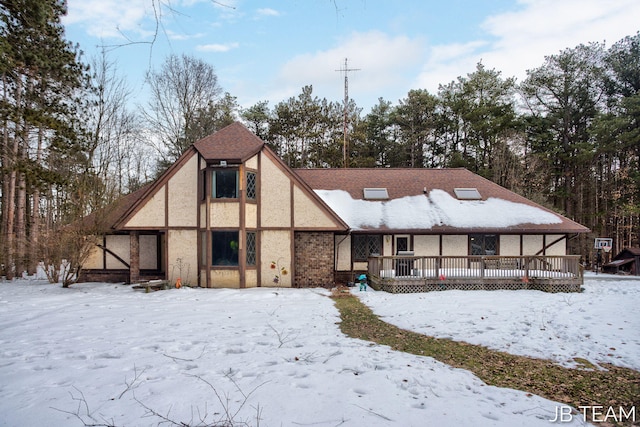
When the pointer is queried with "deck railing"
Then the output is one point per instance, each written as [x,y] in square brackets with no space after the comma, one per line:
[476,270]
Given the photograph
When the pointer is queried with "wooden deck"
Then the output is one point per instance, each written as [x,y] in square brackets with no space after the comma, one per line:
[406,274]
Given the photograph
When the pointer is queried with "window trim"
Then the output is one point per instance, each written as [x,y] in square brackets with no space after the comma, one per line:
[212,180]
[213,252]
[367,236]
[255,186]
[249,253]
[484,236]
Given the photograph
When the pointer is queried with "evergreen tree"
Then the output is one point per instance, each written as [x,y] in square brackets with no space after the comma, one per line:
[41,77]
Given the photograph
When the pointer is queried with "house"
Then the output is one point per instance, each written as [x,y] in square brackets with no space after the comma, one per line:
[625,262]
[230,213]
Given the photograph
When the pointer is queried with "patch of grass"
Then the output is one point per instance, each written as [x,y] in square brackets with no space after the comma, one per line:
[615,386]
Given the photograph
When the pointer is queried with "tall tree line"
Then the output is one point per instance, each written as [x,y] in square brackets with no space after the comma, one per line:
[568,136]
[71,142]
[41,136]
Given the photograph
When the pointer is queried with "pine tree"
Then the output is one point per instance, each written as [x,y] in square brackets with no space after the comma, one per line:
[40,79]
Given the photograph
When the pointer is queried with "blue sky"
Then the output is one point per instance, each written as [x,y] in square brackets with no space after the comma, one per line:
[269,50]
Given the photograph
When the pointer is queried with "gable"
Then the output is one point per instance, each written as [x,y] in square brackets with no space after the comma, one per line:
[286,201]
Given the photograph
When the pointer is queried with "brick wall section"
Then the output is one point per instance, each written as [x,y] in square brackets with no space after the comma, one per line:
[313,259]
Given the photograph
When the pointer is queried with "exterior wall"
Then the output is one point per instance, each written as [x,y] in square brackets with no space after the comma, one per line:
[251,278]
[251,215]
[275,245]
[531,244]
[152,213]
[313,259]
[121,246]
[148,252]
[343,252]
[426,245]
[387,245]
[559,248]
[252,163]
[275,196]
[118,244]
[94,261]
[183,195]
[306,213]
[183,245]
[509,245]
[225,214]
[455,245]
[225,279]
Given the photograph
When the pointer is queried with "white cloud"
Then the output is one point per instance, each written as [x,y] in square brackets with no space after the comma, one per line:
[379,58]
[217,47]
[519,40]
[107,18]
[267,12]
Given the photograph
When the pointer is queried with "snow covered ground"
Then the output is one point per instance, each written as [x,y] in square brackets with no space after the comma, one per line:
[104,354]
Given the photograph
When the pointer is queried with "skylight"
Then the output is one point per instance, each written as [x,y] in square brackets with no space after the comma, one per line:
[376,194]
[467,193]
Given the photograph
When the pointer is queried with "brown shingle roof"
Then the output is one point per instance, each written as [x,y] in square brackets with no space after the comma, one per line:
[234,143]
[106,219]
[411,182]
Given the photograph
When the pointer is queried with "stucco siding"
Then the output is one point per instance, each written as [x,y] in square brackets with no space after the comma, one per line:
[275,245]
[455,245]
[148,252]
[387,245]
[183,195]
[531,244]
[95,259]
[307,213]
[343,252]
[559,248]
[509,245]
[152,214]
[183,245]
[426,245]
[252,163]
[275,196]
[225,279]
[121,246]
[225,214]
[251,278]
[251,215]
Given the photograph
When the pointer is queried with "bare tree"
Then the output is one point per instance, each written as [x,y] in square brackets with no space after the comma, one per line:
[183,87]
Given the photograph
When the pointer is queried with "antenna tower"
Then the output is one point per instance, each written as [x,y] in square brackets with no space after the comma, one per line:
[346,70]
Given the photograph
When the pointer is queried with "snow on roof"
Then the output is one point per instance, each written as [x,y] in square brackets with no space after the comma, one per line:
[438,208]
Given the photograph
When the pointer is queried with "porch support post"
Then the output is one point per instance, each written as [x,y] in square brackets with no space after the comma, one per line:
[134,258]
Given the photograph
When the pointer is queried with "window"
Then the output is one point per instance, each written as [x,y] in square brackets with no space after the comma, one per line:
[251,185]
[483,244]
[365,245]
[224,184]
[224,248]
[251,248]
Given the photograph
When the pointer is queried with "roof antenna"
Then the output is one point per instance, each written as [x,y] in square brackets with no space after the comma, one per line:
[346,70]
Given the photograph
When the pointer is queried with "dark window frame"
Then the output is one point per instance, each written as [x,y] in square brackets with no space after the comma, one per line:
[484,244]
[225,248]
[251,178]
[221,186]
[365,245]
[251,245]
